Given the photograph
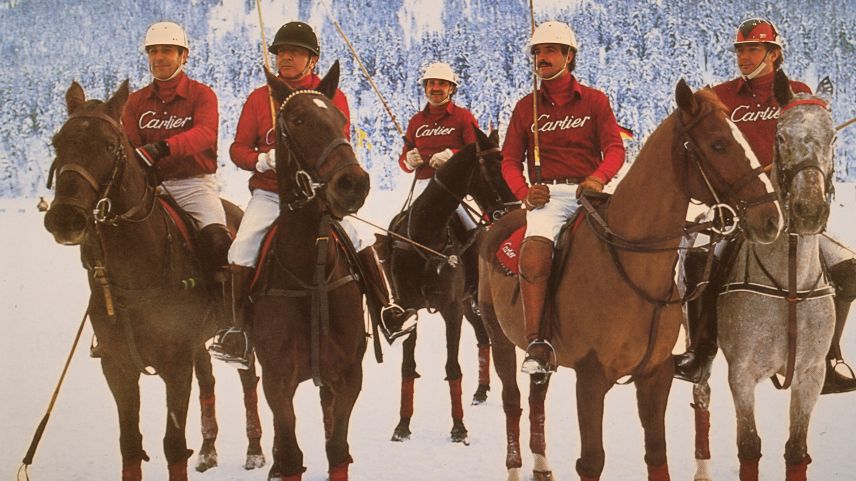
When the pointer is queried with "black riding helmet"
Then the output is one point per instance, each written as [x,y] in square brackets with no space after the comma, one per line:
[296,34]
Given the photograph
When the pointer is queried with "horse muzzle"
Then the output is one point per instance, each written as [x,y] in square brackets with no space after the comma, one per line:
[67,223]
[808,206]
[347,191]
[763,223]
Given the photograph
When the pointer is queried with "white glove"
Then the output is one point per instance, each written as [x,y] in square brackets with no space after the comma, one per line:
[266,161]
[413,159]
[440,158]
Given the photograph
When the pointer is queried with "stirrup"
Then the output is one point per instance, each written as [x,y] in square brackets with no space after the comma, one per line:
[218,348]
[834,383]
[535,366]
[408,326]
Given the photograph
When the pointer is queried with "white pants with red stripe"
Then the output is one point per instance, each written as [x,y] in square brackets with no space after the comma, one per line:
[548,220]
[200,197]
[261,212]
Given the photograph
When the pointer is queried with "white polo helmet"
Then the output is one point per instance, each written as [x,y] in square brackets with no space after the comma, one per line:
[439,70]
[166,33]
[554,32]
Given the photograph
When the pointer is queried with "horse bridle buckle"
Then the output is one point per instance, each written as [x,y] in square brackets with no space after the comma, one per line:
[728,220]
[102,209]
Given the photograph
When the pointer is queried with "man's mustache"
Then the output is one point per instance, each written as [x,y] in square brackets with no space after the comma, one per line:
[544,64]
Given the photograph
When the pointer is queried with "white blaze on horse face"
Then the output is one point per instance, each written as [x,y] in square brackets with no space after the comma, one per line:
[754,163]
[320,103]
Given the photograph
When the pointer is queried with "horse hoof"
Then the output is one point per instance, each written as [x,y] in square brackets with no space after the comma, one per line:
[400,435]
[459,433]
[206,461]
[542,476]
[480,397]
[255,461]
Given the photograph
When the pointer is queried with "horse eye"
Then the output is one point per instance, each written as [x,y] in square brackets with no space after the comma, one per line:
[298,121]
[718,146]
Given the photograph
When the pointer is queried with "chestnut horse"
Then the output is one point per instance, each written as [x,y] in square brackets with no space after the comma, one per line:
[148,308]
[425,280]
[777,295]
[615,307]
[308,316]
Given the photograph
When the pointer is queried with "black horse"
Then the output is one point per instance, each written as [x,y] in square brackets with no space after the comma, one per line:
[147,306]
[446,283]
[308,317]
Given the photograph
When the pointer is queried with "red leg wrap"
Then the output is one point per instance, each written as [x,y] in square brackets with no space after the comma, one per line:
[340,471]
[702,433]
[512,440]
[589,478]
[209,416]
[659,473]
[797,472]
[484,364]
[132,470]
[293,477]
[178,471]
[251,405]
[455,395]
[406,397]
[537,419]
[749,470]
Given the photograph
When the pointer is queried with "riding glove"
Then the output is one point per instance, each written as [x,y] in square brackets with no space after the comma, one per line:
[151,153]
[539,194]
[591,183]
[266,161]
[413,160]
[440,158]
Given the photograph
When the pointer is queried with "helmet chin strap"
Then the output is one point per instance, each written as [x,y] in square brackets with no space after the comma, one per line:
[442,102]
[557,74]
[174,74]
[303,73]
[758,69]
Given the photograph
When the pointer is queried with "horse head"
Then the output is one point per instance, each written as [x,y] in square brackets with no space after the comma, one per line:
[489,189]
[723,171]
[312,153]
[803,157]
[93,174]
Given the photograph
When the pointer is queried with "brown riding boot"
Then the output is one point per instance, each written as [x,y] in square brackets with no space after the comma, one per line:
[395,321]
[536,256]
[835,382]
[695,364]
[232,345]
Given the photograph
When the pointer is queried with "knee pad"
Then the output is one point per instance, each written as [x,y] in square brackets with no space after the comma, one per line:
[843,277]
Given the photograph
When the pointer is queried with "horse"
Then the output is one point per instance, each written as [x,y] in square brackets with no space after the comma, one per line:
[775,311]
[150,306]
[307,310]
[615,307]
[446,280]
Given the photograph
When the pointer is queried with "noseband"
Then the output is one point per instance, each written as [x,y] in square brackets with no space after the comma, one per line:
[103,210]
[730,195]
[308,177]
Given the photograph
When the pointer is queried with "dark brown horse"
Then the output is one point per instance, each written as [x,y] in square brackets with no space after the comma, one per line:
[308,316]
[425,280]
[616,311]
[151,305]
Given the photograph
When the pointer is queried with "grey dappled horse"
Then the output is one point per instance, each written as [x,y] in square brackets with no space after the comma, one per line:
[753,308]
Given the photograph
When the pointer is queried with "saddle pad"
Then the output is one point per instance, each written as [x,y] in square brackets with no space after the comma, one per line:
[267,242]
[508,254]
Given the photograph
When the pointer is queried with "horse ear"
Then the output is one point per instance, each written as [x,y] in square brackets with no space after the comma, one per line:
[493,136]
[116,104]
[782,88]
[330,81]
[481,138]
[74,97]
[685,98]
[825,89]
[278,88]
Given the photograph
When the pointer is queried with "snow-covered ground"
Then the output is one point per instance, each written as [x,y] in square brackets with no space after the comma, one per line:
[42,297]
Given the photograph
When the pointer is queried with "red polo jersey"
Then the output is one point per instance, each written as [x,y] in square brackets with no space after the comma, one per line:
[435,129]
[254,133]
[577,131]
[753,107]
[183,112]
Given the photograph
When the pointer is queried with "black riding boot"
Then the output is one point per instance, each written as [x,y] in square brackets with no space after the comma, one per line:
[843,276]
[231,344]
[395,321]
[695,364]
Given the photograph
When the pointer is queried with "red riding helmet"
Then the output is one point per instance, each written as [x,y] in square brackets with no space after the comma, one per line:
[757,30]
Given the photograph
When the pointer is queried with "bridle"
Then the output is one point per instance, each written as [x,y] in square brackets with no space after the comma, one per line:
[309,178]
[103,213]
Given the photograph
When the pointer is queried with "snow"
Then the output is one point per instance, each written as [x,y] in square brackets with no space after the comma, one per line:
[43,297]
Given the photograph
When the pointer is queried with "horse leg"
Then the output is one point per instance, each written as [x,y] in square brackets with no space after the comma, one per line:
[178,378]
[701,410]
[748,442]
[287,456]
[124,384]
[408,376]
[537,439]
[453,318]
[592,386]
[341,405]
[249,382]
[205,378]
[505,363]
[804,393]
[483,344]
[652,396]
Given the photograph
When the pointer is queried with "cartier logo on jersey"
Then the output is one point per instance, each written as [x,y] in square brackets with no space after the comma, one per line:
[425,131]
[742,114]
[569,122]
[149,121]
